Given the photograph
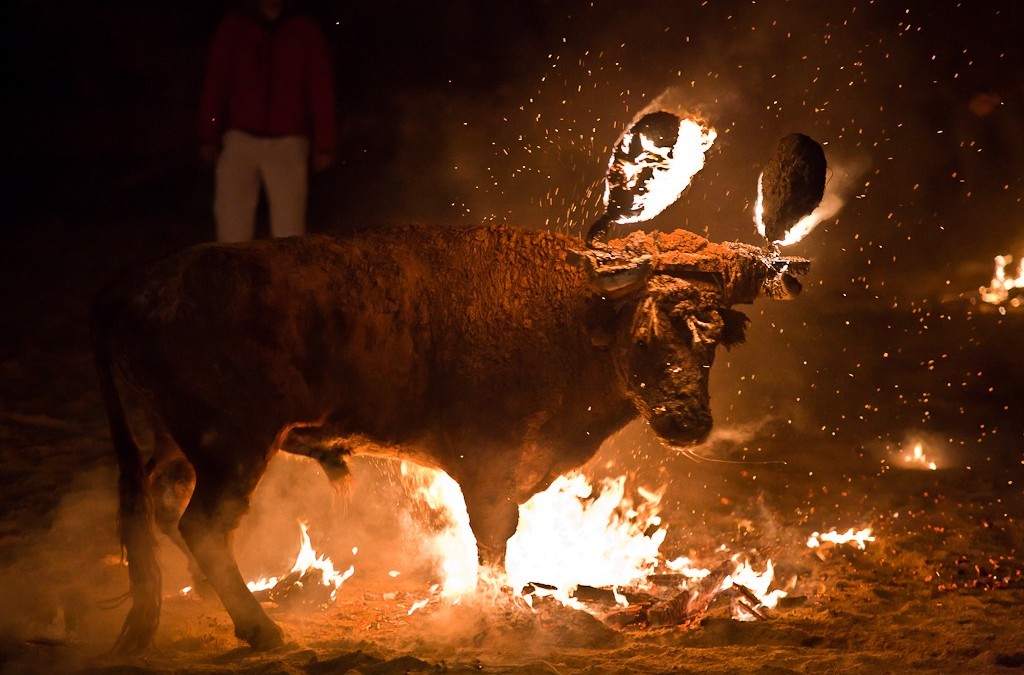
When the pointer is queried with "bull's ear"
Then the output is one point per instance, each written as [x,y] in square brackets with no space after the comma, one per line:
[734,330]
[613,276]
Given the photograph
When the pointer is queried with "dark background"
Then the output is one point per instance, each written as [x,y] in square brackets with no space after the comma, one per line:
[464,112]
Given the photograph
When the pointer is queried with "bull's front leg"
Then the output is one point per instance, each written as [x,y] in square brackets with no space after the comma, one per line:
[493,515]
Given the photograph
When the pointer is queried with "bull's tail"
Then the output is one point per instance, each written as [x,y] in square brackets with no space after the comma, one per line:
[135,511]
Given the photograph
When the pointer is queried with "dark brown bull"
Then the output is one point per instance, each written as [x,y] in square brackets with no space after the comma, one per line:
[502,356]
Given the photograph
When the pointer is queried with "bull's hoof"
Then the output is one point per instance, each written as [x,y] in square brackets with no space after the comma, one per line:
[262,637]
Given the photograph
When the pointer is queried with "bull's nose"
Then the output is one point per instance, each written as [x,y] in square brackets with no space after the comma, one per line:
[683,429]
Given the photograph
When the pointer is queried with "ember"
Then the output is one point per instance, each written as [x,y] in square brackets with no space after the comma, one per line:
[858,538]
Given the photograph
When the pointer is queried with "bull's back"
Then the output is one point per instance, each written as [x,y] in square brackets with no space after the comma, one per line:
[377,325]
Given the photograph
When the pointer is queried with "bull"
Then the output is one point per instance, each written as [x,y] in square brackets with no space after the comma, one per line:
[502,356]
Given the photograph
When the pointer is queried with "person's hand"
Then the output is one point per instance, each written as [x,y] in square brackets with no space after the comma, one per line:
[322,161]
[208,152]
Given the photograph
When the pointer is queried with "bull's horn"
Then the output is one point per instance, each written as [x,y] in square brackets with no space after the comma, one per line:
[612,276]
[744,271]
[756,272]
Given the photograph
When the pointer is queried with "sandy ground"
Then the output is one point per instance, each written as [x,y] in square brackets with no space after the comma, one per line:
[940,590]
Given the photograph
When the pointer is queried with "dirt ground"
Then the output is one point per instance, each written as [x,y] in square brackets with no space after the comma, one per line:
[940,590]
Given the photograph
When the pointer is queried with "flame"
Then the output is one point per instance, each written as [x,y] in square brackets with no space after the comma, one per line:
[262,584]
[567,535]
[673,169]
[454,543]
[685,567]
[858,538]
[571,535]
[419,604]
[306,560]
[917,458]
[830,205]
[998,290]
[759,207]
[758,584]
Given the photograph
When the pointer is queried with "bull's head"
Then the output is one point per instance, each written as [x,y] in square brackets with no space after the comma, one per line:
[673,293]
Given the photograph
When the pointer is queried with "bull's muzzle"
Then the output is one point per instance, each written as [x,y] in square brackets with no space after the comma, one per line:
[682,429]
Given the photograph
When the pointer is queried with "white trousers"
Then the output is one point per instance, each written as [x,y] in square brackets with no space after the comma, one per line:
[247,161]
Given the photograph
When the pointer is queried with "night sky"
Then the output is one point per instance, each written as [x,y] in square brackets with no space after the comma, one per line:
[467,112]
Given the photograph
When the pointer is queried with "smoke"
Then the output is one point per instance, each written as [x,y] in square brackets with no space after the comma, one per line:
[379,518]
[61,577]
[727,440]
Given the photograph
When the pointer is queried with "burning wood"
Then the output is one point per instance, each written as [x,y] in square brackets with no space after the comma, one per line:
[311,584]
[692,602]
[596,550]
[747,602]
[745,589]
[732,580]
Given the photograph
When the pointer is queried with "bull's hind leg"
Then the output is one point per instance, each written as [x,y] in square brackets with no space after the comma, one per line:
[171,481]
[228,468]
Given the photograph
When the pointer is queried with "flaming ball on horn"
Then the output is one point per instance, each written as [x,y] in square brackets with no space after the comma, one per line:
[790,187]
[652,163]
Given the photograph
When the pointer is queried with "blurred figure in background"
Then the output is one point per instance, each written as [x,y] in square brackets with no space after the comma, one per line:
[266,116]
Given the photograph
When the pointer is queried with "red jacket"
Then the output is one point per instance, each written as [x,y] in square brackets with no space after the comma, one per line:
[269,80]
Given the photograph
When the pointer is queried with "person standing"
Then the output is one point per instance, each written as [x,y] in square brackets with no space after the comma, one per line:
[266,116]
